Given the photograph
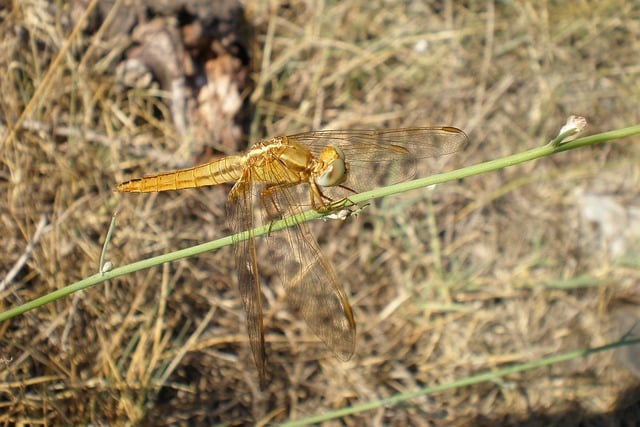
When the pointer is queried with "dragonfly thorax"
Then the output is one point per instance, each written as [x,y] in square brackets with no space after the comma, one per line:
[331,168]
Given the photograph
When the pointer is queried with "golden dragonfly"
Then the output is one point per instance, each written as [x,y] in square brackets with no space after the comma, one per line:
[288,174]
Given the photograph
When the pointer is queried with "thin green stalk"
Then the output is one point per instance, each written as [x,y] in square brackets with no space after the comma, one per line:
[555,146]
[474,379]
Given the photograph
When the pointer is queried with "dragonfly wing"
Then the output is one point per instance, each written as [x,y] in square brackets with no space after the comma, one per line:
[310,281]
[386,144]
[386,156]
[240,214]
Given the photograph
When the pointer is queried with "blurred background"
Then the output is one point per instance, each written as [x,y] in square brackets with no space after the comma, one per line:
[507,267]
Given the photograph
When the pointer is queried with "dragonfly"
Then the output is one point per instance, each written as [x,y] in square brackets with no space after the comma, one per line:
[285,175]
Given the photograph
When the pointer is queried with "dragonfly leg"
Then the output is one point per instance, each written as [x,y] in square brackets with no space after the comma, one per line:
[341,203]
[271,207]
[325,203]
[317,198]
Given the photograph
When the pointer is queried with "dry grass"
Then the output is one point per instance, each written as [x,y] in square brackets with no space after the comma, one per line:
[516,273]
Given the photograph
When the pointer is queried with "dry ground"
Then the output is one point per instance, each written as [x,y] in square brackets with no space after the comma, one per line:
[498,269]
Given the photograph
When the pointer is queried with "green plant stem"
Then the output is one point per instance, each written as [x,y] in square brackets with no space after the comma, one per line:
[474,379]
[360,198]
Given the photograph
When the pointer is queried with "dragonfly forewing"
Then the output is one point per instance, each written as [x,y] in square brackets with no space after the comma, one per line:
[385,156]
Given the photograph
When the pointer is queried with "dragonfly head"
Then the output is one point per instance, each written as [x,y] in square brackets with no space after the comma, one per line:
[333,169]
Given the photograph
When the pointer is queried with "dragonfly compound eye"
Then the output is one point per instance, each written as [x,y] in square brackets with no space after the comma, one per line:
[335,172]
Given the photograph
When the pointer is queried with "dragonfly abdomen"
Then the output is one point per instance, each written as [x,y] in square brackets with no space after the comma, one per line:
[220,171]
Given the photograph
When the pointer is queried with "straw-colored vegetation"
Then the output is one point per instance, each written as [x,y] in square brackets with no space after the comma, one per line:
[497,269]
